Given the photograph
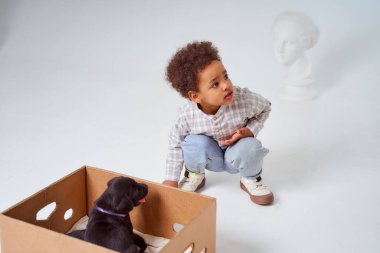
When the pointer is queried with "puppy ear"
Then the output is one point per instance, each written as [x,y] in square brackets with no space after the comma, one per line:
[122,203]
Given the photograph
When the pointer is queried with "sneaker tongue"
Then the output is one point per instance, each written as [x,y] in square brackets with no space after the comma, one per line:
[143,200]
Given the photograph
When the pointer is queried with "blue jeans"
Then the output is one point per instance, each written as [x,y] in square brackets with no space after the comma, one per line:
[245,156]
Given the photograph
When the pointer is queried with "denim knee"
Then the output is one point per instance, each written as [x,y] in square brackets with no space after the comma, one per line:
[252,146]
[201,142]
[246,156]
[201,152]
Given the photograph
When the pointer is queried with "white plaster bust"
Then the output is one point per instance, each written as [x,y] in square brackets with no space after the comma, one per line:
[293,34]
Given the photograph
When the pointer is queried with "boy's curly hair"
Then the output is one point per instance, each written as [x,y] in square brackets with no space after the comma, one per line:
[183,68]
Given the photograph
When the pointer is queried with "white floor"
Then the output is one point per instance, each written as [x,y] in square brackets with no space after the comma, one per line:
[82,82]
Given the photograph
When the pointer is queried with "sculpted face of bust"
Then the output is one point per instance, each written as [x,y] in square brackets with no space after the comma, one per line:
[287,48]
[293,34]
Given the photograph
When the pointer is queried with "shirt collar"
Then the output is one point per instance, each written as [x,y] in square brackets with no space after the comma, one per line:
[210,116]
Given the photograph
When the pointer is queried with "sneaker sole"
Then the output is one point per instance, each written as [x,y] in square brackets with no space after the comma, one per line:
[201,184]
[260,200]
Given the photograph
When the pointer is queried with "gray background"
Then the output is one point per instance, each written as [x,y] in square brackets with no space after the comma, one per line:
[82,82]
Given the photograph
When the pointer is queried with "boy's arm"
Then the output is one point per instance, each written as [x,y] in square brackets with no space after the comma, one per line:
[174,160]
[257,109]
[262,109]
[240,133]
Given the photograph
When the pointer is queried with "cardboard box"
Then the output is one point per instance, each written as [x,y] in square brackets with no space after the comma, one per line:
[20,231]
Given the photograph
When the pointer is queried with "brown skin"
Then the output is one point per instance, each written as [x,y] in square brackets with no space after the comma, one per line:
[214,90]
[240,133]
[171,183]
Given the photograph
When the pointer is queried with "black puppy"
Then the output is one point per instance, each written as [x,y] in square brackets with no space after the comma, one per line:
[109,224]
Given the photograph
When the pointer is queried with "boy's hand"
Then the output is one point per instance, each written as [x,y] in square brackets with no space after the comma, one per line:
[240,133]
[171,183]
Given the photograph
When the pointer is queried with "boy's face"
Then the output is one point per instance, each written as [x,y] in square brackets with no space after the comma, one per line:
[214,88]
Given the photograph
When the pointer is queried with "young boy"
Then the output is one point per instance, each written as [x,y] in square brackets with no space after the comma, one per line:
[217,129]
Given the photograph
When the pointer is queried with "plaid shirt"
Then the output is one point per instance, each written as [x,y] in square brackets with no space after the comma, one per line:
[247,109]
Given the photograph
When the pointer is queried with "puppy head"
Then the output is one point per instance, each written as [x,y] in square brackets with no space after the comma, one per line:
[125,193]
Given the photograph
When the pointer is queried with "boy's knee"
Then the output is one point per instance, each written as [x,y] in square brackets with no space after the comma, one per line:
[250,147]
[202,142]
[247,156]
[250,142]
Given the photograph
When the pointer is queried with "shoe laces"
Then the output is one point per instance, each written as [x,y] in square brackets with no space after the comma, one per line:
[254,185]
[193,179]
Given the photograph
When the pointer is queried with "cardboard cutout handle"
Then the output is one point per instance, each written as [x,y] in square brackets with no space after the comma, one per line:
[46,212]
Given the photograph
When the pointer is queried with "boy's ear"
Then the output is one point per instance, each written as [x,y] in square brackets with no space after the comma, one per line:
[193,95]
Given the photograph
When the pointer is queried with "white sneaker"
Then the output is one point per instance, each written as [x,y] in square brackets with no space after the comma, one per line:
[192,182]
[258,192]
